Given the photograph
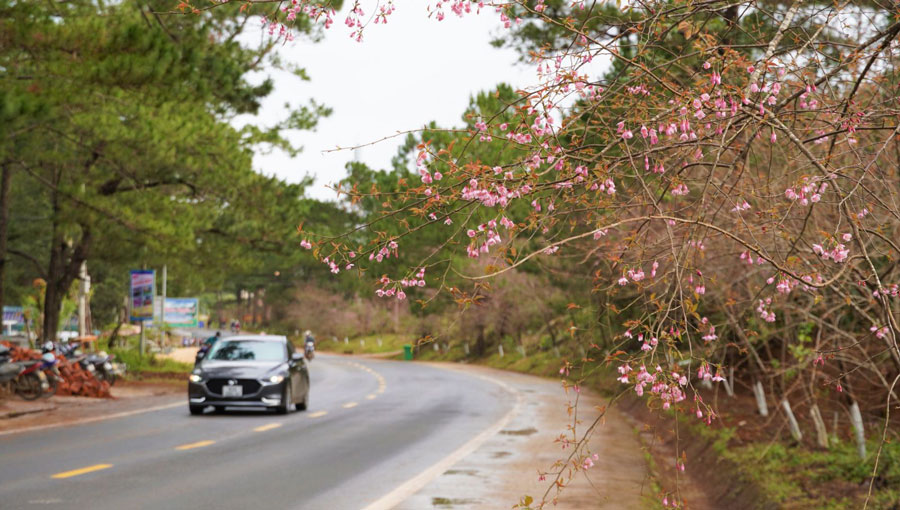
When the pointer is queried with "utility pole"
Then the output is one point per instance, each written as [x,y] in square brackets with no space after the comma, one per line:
[84,289]
[162,313]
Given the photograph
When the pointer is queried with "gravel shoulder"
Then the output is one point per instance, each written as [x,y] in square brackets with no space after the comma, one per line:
[506,467]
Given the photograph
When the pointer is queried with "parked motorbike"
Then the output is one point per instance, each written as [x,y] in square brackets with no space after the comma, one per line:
[25,377]
[72,352]
[105,369]
[101,365]
[50,368]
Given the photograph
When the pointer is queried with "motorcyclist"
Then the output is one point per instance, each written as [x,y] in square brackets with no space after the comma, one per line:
[207,345]
[309,344]
[213,339]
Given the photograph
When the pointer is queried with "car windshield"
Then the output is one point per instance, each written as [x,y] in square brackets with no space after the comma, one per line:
[248,350]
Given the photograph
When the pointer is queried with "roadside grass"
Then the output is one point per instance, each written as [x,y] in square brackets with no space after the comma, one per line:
[363,344]
[800,477]
[140,367]
[148,363]
[540,362]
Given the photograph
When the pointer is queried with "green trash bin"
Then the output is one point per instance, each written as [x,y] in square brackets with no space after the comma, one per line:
[407,352]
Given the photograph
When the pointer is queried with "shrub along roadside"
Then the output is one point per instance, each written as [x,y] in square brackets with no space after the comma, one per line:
[362,345]
[799,477]
[139,365]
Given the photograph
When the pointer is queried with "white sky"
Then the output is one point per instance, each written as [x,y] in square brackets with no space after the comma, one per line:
[404,74]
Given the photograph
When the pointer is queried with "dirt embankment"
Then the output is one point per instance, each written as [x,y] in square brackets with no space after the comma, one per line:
[708,482]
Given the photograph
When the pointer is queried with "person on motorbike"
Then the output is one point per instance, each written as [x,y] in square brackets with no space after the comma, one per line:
[309,344]
[213,339]
[206,346]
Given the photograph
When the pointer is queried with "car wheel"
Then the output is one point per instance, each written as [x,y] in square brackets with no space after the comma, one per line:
[195,410]
[285,406]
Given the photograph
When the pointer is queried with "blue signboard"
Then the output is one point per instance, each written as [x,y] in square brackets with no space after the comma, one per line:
[143,289]
[182,312]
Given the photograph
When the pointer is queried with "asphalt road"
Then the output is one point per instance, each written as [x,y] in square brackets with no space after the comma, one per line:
[371,426]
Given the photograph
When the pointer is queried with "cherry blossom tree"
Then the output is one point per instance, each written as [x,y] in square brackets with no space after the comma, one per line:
[731,174]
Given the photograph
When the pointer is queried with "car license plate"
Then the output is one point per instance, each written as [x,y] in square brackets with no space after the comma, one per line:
[232,391]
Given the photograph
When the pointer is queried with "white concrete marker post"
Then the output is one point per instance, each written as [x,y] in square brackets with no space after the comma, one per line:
[821,432]
[859,431]
[500,349]
[760,394]
[729,384]
[792,421]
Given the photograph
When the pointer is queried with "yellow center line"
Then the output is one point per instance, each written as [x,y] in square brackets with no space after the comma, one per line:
[348,405]
[264,428]
[370,397]
[198,444]
[318,414]
[81,471]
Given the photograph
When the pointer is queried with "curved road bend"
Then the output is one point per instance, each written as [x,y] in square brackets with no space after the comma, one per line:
[371,426]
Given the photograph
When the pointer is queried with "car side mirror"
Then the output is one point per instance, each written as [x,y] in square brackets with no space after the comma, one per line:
[297,357]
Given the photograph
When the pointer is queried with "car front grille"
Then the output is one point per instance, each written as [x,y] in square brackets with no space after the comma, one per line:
[250,386]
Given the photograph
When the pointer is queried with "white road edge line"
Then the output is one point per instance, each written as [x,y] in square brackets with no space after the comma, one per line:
[91,419]
[411,486]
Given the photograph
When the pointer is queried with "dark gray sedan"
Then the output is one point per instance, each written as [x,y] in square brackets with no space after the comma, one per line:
[250,371]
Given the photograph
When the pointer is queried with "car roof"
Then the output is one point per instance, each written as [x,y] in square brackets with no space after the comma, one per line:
[264,338]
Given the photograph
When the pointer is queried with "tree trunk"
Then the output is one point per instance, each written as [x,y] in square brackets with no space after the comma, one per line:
[115,334]
[479,342]
[63,269]
[5,181]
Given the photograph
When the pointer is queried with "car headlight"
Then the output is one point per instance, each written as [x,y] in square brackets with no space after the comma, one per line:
[195,378]
[275,379]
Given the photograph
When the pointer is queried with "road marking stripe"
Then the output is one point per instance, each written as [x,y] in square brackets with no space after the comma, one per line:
[318,414]
[267,427]
[81,471]
[411,486]
[348,405]
[198,444]
[371,397]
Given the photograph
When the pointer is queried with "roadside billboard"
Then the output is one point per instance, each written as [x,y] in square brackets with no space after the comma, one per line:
[13,319]
[143,288]
[182,312]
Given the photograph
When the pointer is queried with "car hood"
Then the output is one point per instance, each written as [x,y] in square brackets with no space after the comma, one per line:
[241,369]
